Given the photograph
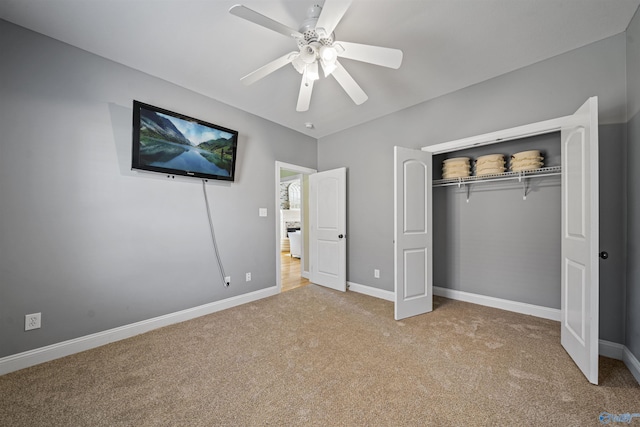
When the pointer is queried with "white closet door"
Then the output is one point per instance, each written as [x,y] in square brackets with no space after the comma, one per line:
[413,240]
[328,225]
[580,282]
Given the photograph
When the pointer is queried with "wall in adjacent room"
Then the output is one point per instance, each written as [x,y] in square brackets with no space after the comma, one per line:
[552,88]
[92,245]
[633,188]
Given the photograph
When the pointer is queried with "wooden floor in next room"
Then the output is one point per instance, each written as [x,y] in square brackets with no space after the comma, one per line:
[291,272]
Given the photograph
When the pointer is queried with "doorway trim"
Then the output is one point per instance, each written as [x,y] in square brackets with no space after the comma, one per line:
[280,166]
[519,132]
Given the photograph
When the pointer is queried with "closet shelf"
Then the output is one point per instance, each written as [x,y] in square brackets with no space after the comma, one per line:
[542,172]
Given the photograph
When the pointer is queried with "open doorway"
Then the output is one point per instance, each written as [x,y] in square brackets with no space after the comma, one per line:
[292,230]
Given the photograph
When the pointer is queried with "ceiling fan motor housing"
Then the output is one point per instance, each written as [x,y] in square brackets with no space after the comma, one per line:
[308,29]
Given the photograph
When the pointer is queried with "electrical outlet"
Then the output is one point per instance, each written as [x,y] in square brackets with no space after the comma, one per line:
[376,273]
[248,277]
[227,280]
[32,321]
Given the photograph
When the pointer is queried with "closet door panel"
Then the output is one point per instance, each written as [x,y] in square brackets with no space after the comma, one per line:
[413,240]
[576,298]
[580,239]
[574,149]
[415,199]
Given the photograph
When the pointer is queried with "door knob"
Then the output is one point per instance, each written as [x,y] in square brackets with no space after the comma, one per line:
[340,236]
[604,255]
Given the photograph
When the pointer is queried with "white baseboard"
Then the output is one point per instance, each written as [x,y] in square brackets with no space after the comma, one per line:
[611,349]
[632,363]
[371,291]
[518,307]
[620,352]
[76,345]
[503,304]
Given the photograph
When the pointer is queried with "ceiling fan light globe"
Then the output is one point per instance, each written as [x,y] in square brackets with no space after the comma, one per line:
[328,67]
[308,54]
[328,54]
[299,64]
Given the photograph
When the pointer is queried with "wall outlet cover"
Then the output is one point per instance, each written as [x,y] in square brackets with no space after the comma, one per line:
[32,321]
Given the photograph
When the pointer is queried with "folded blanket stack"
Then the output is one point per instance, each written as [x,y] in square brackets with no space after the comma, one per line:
[457,167]
[525,161]
[490,164]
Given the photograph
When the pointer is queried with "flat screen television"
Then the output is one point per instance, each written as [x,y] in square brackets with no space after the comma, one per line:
[175,144]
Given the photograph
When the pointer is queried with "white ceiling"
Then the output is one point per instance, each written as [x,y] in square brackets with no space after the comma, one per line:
[447,45]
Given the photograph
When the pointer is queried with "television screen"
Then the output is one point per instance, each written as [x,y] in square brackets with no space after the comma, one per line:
[174,144]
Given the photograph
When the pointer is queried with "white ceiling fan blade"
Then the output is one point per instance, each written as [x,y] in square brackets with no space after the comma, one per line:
[268,68]
[257,18]
[349,85]
[377,55]
[332,12]
[304,97]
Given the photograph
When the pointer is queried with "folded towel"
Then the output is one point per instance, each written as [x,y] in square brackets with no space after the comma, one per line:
[531,154]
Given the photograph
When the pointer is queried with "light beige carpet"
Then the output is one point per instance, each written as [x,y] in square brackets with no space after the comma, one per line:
[313,356]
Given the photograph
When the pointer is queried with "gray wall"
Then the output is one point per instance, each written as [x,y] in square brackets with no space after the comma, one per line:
[633,188]
[91,244]
[545,90]
[612,139]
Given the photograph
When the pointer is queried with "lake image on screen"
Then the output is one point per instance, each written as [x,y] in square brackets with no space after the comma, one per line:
[170,142]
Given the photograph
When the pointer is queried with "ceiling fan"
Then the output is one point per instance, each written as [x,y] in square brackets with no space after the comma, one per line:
[317,45]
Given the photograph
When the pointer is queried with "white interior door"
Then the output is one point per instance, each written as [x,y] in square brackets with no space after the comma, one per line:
[413,239]
[580,269]
[328,226]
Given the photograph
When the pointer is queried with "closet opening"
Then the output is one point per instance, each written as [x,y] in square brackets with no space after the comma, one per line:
[500,236]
